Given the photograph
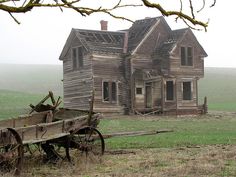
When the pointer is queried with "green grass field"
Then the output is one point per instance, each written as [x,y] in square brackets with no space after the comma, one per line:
[219,85]
[15,103]
[21,85]
[188,131]
[197,144]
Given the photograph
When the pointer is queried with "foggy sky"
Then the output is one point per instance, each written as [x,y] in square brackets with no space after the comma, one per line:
[40,37]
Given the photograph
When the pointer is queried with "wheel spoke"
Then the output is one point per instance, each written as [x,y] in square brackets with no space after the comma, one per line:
[11,153]
[88,140]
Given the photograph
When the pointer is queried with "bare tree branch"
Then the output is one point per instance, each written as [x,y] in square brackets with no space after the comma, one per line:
[14,18]
[203,6]
[214,3]
[175,13]
[23,6]
[191,7]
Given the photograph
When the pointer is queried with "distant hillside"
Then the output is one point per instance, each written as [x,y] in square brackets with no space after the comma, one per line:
[14,103]
[219,85]
[31,78]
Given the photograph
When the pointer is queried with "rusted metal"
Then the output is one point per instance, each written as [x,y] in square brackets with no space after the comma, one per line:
[53,129]
[11,156]
[49,127]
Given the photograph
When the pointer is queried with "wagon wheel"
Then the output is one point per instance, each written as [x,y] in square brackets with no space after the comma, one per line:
[88,141]
[11,152]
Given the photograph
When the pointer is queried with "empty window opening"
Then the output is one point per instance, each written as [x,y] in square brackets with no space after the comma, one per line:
[113,91]
[187,91]
[109,91]
[77,57]
[105,91]
[186,56]
[169,90]
[139,91]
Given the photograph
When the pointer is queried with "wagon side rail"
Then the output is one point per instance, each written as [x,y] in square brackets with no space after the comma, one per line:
[47,131]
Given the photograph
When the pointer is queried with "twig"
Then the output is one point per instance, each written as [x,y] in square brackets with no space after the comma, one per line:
[14,18]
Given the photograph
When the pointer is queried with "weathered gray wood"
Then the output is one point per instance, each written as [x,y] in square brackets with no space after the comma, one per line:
[147,53]
[136,133]
[42,131]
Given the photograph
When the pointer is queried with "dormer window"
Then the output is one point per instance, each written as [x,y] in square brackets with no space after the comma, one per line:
[77,57]
[186,56]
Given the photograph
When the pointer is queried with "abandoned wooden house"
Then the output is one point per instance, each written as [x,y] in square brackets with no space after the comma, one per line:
[146,68]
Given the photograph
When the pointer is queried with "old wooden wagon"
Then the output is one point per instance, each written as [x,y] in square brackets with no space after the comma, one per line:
[71,129]
[51,129]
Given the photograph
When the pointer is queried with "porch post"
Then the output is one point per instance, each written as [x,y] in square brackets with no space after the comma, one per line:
[176,96]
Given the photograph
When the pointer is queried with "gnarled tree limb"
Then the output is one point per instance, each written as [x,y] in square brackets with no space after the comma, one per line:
[23,6]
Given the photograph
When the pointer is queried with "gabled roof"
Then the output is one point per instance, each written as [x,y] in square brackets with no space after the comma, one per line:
[115,42]
[107,41]
[138,30]
[173,39]
[92,40]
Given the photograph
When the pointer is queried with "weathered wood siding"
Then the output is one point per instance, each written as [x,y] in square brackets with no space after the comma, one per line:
[158,34]
[78,83]
[186,104]
[156,93]
[177,69]
[139,63]
[108,67]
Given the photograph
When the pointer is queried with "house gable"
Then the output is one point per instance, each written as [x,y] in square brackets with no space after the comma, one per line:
[72,41]
[154,37]
[188,39]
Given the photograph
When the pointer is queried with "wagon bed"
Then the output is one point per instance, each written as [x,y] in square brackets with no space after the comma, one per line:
[64,127]
[44,126]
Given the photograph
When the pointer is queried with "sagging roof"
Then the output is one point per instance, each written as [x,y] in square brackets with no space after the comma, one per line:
[138,30]
[170,42]
[102,41]
[115,42]
[175,37]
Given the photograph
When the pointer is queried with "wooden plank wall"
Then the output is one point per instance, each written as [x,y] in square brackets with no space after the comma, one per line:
[78,83]
[197,70]
[108,67]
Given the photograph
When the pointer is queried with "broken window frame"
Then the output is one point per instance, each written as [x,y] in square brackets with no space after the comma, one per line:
[110,94]
[173,91]
[139,91]
[77,57]
[186,55]
[187,95]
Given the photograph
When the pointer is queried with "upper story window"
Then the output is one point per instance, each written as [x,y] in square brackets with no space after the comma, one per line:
[186,56]
[77,57]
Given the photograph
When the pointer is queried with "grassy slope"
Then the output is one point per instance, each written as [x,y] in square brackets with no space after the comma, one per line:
[37,79]
[15,103]
[219,85]
[204,130]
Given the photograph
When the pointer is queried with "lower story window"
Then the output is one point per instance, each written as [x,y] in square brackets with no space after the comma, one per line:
[139,90]
[109,91]
[169,90]
[187,91]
